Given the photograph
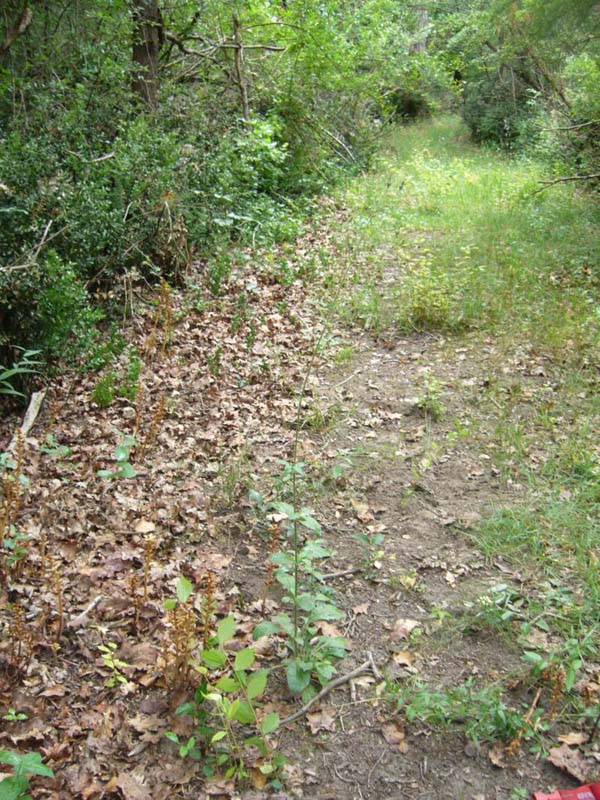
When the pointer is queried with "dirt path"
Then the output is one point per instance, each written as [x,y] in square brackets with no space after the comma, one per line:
[423,487]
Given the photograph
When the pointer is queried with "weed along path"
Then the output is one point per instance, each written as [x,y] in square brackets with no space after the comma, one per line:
[328,527]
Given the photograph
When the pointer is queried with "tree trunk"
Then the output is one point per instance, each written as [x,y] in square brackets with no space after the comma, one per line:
[16,30]
[239,68]
[148,38]
[422,15]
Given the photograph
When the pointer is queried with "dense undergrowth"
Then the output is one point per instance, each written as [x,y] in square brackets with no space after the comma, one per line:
[115,173]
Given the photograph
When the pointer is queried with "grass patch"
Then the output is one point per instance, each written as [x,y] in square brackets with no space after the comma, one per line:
[469,244]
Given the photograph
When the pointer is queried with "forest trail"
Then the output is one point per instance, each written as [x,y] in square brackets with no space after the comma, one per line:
[423,415]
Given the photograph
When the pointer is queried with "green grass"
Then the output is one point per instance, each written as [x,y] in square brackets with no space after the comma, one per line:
[471,245]
[445,236]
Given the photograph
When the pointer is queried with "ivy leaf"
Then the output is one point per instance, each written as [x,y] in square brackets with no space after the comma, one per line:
[265,628]
[12,788]
[227,684]
[257,684]
[244,713]
[298,677]
[310,522]
[270,723]
[121,453]
[127,470]
[285,508]
[213,659]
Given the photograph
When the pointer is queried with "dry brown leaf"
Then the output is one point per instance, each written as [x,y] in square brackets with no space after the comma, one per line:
[497,754]
[570,761]
[404,658]
[394,734]
[145,526]
[362,510]
[361,609]
[132,786]
[574,738]
[322,720]
[258,779]
[328,629]
[219,787]
[403,628]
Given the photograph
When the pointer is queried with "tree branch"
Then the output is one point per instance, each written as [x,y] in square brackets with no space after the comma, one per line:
[368,666]
[567,179]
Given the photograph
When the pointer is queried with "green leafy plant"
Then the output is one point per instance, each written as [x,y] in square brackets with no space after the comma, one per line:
[52,448]
[113,664]
[311,601]
[430,402]
[24,366]
[12,715]
[104,390]
[482,712]
[214,362]
[123,468]
[372,552]
[225,702]
[14,544]
[16,787]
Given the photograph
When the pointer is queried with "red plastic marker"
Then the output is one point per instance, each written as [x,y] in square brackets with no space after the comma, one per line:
[589,792]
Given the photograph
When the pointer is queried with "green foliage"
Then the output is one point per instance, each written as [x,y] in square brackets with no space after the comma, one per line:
[311,601]
[227,697]
[16,787]
[47,307]
[482,712]
[489,252]
[111,384]
[430,401]
[92,189]
[122,469]
[113,664]
[10,376]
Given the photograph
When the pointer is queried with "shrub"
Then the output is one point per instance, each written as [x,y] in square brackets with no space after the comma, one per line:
[496,106]
[46,308]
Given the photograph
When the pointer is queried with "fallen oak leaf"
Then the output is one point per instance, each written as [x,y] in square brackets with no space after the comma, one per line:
[570,761]
[362,510]
[404,658]
[144,526]
[496,755]
[574,738]
[328,629]
[131,786]
[323,720]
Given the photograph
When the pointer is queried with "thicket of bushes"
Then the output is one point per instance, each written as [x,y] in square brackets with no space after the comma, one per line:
[95,185]
[529,75]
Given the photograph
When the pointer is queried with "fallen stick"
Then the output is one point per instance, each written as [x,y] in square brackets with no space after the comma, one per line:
[368,666]
[348,379]
[83,618]
[37,398]
[329,576]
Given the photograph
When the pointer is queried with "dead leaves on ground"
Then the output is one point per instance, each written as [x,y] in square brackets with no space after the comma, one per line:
[188,489]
